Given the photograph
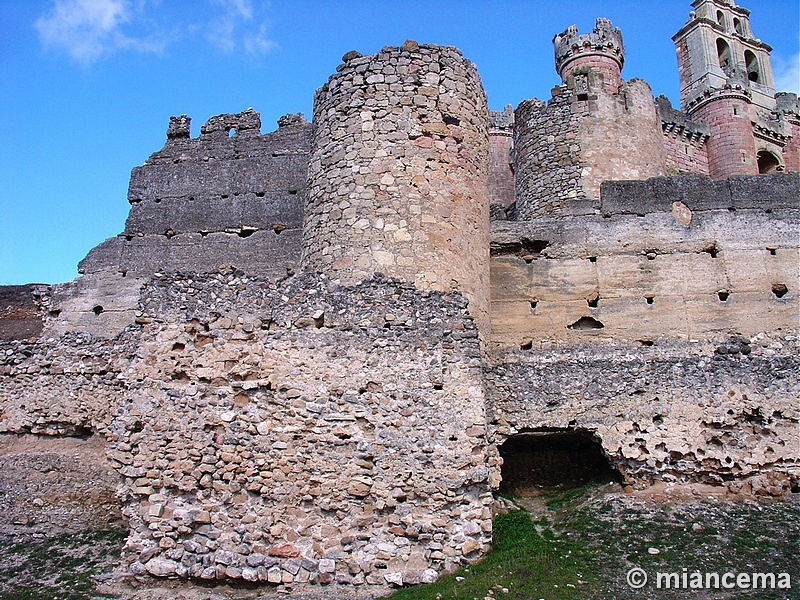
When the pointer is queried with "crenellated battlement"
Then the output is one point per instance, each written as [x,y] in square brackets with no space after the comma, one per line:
[604,42]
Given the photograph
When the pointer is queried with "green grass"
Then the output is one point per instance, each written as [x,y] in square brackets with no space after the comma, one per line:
[527,563]
[586,545]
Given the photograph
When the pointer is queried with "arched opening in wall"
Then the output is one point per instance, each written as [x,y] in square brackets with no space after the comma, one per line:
[751,60]
[541,461]
[737,25]
[723,53]
[767,162]
[721,18]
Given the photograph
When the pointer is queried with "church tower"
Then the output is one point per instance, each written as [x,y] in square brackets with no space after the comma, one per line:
[726,80]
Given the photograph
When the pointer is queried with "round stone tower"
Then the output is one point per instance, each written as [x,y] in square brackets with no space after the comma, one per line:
[600,51]
[397,180]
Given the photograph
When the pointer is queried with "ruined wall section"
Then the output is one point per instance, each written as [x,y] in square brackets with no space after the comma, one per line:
[229,196]
[684,140]
[398,172]
[547,151]
[720,411]
[675,258]
[22,311]
[292,432]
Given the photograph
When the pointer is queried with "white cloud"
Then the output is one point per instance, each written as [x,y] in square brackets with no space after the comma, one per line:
[87,29]
[240,22]
[787,74]
[258,42]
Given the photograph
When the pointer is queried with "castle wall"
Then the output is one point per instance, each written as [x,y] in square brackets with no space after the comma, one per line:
[677,413]
[684,140]
[653,264]
[287,433]
[684,153]
[620,137]
[398,172]
[666,326]
[230,196]
[501,175]
[565,149]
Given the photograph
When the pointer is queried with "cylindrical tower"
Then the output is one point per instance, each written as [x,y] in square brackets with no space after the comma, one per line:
[398,173]
[600,51]
[730,146]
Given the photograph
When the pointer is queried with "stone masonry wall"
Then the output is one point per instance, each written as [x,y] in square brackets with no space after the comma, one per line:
[230,196]
[398,173]
[620,137]
[298,432]
[666,327]
[674,258]
[697,412]
[684,140]
[501,173]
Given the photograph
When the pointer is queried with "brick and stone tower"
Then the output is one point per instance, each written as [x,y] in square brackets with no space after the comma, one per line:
[601,51]
[726,80]
[596,127]
[398,174]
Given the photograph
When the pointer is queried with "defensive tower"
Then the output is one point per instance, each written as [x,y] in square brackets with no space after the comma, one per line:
[601,50]
[398,175]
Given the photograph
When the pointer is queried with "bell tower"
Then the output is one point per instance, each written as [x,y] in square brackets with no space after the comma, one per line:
[726,80]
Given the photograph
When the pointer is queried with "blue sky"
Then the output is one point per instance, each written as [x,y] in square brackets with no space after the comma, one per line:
[87,86]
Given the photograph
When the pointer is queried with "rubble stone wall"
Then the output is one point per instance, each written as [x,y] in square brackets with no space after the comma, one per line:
[398,173]
[291,432]
[547,151]
[691,412]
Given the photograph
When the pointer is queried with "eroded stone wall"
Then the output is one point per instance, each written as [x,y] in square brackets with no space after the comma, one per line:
[398,172]
[721,412]
[668,258]
[231,196]
[666,327]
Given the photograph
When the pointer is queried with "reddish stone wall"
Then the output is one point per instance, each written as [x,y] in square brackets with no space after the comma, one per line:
[730,147]
[791,152]
[685,155]
[607,68]
[501,175]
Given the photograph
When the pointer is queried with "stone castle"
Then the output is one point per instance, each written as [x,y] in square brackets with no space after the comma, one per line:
[313,355]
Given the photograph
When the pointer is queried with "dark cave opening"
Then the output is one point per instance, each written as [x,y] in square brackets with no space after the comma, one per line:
[537,462]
